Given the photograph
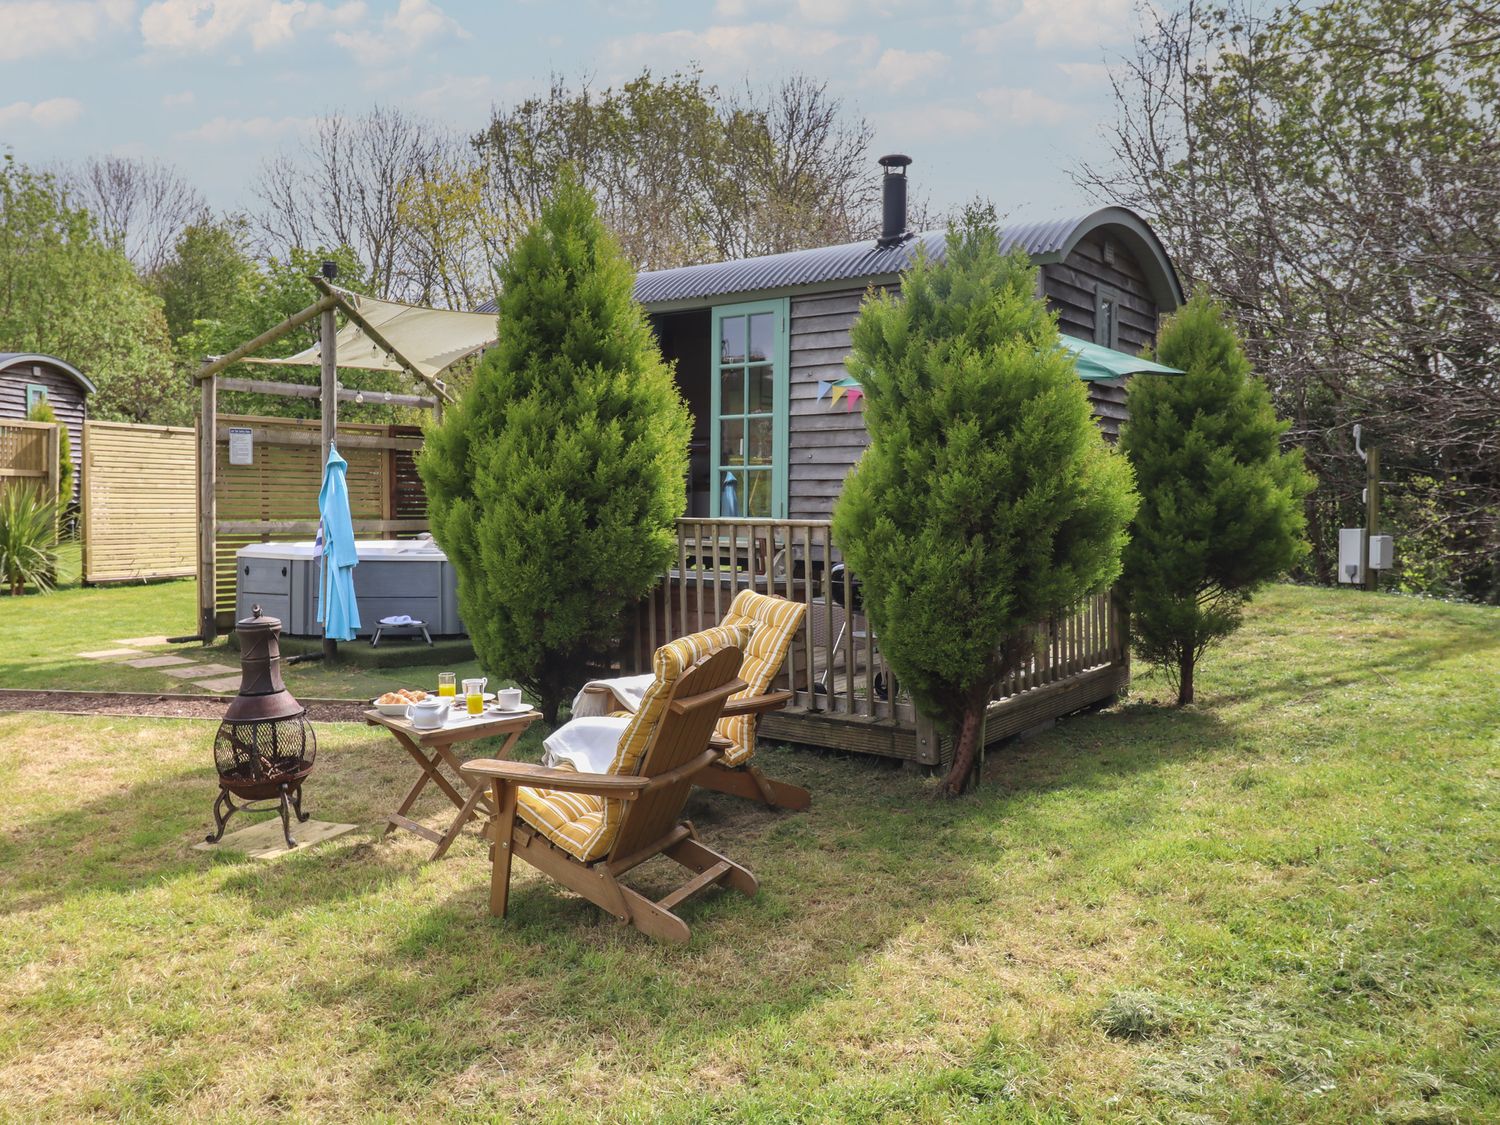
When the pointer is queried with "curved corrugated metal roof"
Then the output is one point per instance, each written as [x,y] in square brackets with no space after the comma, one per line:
[1048,239]
[10,359]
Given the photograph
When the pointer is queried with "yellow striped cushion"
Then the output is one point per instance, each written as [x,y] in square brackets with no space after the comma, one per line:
[585,825]
[776,621]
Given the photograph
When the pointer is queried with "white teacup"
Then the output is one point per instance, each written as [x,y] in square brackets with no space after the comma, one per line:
[508,698]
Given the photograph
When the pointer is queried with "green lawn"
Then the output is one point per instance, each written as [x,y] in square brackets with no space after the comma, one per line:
[1280,904]
[42,635]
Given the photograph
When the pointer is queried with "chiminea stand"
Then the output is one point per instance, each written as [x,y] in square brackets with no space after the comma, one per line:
[265,746]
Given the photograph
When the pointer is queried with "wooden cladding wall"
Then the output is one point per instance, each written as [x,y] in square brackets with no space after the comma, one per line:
[139,499]
[281,488]
[1072,289]
[824,439]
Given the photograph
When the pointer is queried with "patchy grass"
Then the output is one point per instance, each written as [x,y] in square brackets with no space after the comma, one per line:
[43,636]
[1290,889]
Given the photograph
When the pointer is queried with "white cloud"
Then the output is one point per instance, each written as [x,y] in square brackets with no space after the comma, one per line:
[414,24]
[219,129]
[740,47]
[1058,23]
[898,69]
[178,100]
[1089,72]
[899,127]
[988,109]
[205,25]
[34,27]
[44,114]
[825,11]
[468,93]
[1020,105]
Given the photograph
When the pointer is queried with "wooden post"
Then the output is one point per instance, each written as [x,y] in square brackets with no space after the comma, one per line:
[1372,514]
[208,425]
[328,352]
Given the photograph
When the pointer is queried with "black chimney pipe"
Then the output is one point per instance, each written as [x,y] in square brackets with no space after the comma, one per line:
[893,201]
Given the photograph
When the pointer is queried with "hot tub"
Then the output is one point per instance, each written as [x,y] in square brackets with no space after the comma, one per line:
[394,576]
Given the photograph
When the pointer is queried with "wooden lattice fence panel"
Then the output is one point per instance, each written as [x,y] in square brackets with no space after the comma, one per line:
[139,497]
[28,454]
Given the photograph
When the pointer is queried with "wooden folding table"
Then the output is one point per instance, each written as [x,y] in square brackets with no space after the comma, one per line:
[441,741]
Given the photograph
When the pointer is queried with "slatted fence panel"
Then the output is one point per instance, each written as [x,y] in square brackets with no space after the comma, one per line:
[28,454]
[283,484]
[139,498]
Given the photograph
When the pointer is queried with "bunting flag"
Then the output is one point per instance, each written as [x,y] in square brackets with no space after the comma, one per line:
[847,389]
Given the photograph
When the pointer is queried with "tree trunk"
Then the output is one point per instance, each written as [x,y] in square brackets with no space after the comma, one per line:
[966,747]
[1184,675]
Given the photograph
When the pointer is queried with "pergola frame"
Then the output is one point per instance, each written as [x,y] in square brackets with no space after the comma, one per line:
[328,392]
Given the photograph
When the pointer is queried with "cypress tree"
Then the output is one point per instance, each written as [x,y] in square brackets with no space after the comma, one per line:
[987,498]
[1221,503]
[555,483]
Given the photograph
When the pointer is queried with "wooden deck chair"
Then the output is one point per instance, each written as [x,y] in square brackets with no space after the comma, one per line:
[775,622]
[586,830]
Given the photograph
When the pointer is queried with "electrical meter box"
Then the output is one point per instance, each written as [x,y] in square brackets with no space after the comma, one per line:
[1382,552]
[1351,568]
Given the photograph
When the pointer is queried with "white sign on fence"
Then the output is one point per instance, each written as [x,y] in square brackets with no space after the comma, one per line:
[241,445]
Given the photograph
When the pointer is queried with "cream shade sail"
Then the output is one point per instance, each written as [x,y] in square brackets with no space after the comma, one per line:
[433,339]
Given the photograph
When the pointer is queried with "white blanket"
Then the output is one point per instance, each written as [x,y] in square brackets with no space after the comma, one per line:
[587,744]
[600,697]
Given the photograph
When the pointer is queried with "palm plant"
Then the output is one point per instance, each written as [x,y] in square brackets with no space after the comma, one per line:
[28,538]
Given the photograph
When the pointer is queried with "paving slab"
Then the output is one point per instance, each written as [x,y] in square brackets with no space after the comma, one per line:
[158,661]
[265,841]
[110,653]
[223,683]
[141,642]
[192,671]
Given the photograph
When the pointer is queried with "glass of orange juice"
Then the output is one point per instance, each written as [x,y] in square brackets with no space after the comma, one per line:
[474,695]
[445,685]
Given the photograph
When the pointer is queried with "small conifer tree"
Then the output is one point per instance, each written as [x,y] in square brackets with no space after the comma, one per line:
[987,498]
[43,412]
[555,483]
[1221,503]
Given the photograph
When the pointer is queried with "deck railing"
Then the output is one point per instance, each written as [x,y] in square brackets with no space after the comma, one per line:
[835,666]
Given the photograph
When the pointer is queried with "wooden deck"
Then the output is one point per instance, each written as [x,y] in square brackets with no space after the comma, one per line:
[845,695]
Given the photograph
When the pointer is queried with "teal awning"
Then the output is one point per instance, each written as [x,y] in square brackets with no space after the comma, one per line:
[1095,361]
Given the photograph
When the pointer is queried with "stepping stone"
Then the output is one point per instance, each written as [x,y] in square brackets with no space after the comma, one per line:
[110,653]
[141,642]
[191,671]
[265,841]
[158,661]
[222,684]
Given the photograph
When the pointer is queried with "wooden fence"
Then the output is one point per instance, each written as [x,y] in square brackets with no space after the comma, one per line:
[845,695]
[275,498]
[29,454]
[139,491]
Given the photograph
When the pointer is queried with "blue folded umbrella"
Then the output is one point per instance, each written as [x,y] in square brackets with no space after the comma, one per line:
[337,608]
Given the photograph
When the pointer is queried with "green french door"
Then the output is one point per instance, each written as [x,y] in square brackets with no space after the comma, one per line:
[751,384]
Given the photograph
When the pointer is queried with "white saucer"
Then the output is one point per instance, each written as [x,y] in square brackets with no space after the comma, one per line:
[511,710]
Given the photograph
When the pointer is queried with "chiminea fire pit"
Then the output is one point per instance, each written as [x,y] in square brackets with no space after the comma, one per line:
[265,746]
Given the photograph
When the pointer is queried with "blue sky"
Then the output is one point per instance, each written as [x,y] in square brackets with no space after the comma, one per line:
[991,97]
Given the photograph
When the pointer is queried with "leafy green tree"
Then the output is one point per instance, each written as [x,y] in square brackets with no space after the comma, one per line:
[1221,504]
[209,276]
[64,291]
[270,295]
[987,499]
[43,412]
[555,483]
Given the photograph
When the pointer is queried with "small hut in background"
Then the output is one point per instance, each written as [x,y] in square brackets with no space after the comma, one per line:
[27,378]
